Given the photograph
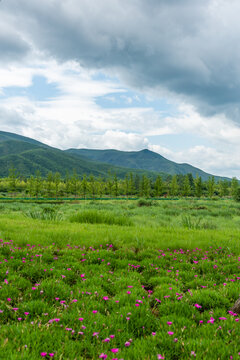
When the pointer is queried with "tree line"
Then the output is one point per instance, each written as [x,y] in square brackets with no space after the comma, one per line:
[133,185]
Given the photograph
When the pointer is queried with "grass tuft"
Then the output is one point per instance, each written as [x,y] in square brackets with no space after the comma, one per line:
[100,217]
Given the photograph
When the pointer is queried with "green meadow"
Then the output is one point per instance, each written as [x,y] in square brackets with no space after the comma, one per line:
[119,279]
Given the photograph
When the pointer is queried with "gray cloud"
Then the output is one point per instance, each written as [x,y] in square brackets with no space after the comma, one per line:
[11,120]
[12,47]
[185,47]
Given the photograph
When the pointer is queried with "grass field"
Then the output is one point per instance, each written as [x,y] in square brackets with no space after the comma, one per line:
[115,280]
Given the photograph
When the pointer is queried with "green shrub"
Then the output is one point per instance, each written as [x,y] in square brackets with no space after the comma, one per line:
[100,217]
[237,195]
[145,202]
[47,213]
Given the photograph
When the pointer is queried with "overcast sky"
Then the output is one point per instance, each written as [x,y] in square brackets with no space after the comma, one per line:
[125,74]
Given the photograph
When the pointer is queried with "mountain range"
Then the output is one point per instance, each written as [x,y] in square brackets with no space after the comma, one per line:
[27,156]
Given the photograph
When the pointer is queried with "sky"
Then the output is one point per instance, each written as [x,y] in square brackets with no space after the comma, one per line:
[125,74]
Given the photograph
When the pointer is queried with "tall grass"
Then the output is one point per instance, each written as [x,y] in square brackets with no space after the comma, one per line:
[190,223]
[47,213]
[100,217]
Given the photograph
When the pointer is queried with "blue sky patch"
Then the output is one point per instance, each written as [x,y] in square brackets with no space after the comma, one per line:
[178,142]
[40,90]
[131,99]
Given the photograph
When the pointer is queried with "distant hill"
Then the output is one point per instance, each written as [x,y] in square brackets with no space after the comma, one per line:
[27,156]
[6,136]
[144,159]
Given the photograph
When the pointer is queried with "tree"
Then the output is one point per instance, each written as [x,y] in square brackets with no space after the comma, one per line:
[191,180]
[37,183]
[12,177]
[100,186]
[68,183]
[145,187]
[131,185]
[158,186]
[211,186]
[31,183]
[174,186]
[237,195]
[74,183]
[115,185]
[223,188]
[126,185]
[92,186]
[109,186]
[57,179]
[234,186]
[186,186]
[84,186]
[198,186]
[137,184]
[49,183]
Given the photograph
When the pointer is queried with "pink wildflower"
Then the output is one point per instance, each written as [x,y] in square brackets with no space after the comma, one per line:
[106,340]
[198,306]
[211,320]
[114,350]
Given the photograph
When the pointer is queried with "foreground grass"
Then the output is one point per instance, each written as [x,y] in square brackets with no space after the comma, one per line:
[89,291]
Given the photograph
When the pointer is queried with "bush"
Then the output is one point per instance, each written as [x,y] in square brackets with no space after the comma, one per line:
[47,213]
[237,195]
[100,217]
[144,202]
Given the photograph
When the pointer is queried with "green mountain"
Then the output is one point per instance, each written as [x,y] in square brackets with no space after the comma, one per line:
[144,159]
[27,156]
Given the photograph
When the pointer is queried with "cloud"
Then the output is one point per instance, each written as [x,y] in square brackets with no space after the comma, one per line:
[13,46]
[186,48]
[182,50]
[118,140]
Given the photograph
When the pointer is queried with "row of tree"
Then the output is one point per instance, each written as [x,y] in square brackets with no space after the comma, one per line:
[131,186]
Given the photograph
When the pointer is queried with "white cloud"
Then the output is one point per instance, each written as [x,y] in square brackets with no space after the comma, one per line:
[118,140]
